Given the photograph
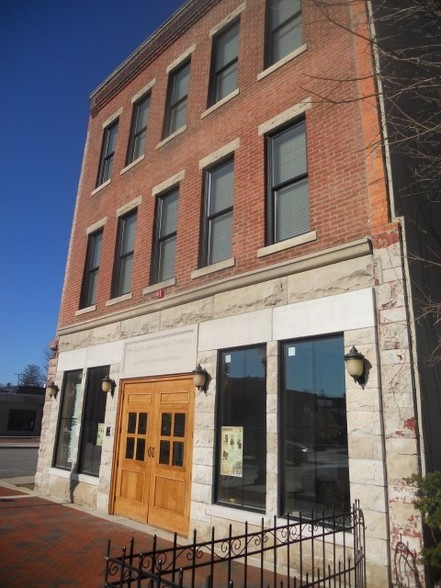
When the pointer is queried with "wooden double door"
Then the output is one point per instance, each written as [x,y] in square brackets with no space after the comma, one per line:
[152,468]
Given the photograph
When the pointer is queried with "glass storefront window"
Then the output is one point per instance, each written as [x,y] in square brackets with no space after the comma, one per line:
[241,428]
[92,429]
[314,442]
[67,438]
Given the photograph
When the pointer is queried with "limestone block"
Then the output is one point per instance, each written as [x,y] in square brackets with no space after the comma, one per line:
[255,297]
[366,471]
[401,446]
[400,467]
[365,447]
[405,520]
[394,336]
[201,492]
[141,325]
[202,474]
[372,498]
[360,399]
[386,316]
[106,333]
[204,421]
[332,279]
[376,524]
[362,423]
[402,493]
[203,455]
[377,551]
[204,438]
[390,295]
[75,341]
[187,314]
[198,514]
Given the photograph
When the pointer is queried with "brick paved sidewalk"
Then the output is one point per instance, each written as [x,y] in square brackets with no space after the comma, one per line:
[45,544]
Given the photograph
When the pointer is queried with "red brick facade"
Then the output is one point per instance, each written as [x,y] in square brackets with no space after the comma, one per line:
[346,187]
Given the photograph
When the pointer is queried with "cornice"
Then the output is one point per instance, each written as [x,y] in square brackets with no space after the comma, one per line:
[178,24]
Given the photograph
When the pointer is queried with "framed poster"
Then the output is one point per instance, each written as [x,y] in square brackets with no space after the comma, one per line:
[232,451]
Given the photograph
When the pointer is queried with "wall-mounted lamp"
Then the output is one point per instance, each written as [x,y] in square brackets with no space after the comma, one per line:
[201,378]
[108,385]
[52,390]
[354,362]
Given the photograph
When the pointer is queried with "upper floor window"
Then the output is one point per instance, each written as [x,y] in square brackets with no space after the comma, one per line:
[164,248]
[284,26]
[107,153]
[91,269]
[288,198]
[218,213]
[123,264]
[177,99]
[224,63]
[138,129]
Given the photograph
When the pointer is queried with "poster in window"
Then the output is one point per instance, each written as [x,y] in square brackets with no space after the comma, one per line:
[232,451]
[100,435]
[73,432]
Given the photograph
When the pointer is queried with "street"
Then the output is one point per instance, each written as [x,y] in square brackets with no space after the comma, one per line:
[16,462]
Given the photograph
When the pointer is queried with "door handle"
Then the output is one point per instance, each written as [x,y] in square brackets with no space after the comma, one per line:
[151,452]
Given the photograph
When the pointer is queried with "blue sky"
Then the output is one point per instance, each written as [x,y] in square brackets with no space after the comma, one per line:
[53,54]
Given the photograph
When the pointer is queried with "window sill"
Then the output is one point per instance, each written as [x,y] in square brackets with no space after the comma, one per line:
[170,137]
[119,299]
[281,62]
[85,310]
[215,267]
[132,164]
[74,476]
[101,186]
[287,244]
[220,103]
[160,286]
[234,514]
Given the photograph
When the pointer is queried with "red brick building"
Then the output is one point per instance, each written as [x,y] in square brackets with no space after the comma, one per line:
[233,212]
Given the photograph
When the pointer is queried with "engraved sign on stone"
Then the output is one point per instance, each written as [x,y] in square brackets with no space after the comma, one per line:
[166,353]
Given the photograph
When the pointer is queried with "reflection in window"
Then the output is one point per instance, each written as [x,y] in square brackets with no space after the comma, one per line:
[92,427]
[241,428]
[67,437]
[284,28]
[314,447]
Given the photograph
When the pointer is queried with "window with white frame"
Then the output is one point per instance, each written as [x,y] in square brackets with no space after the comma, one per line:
[284,29]
[176,109]
[164,248]
[91,269]
[287,174]
[218,212]
[107,153]
[224,63]
[138,129]
[125,248]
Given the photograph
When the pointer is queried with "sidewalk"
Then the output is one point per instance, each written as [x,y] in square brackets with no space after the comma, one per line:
[49,544]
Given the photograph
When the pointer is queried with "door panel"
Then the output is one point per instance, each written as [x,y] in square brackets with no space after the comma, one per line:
[153,471]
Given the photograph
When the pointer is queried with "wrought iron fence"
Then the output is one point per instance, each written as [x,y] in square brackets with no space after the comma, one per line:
[325,551]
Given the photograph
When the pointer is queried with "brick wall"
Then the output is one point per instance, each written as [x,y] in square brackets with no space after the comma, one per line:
[339,177]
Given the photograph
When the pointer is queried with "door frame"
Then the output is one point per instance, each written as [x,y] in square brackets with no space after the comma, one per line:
[118,436]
